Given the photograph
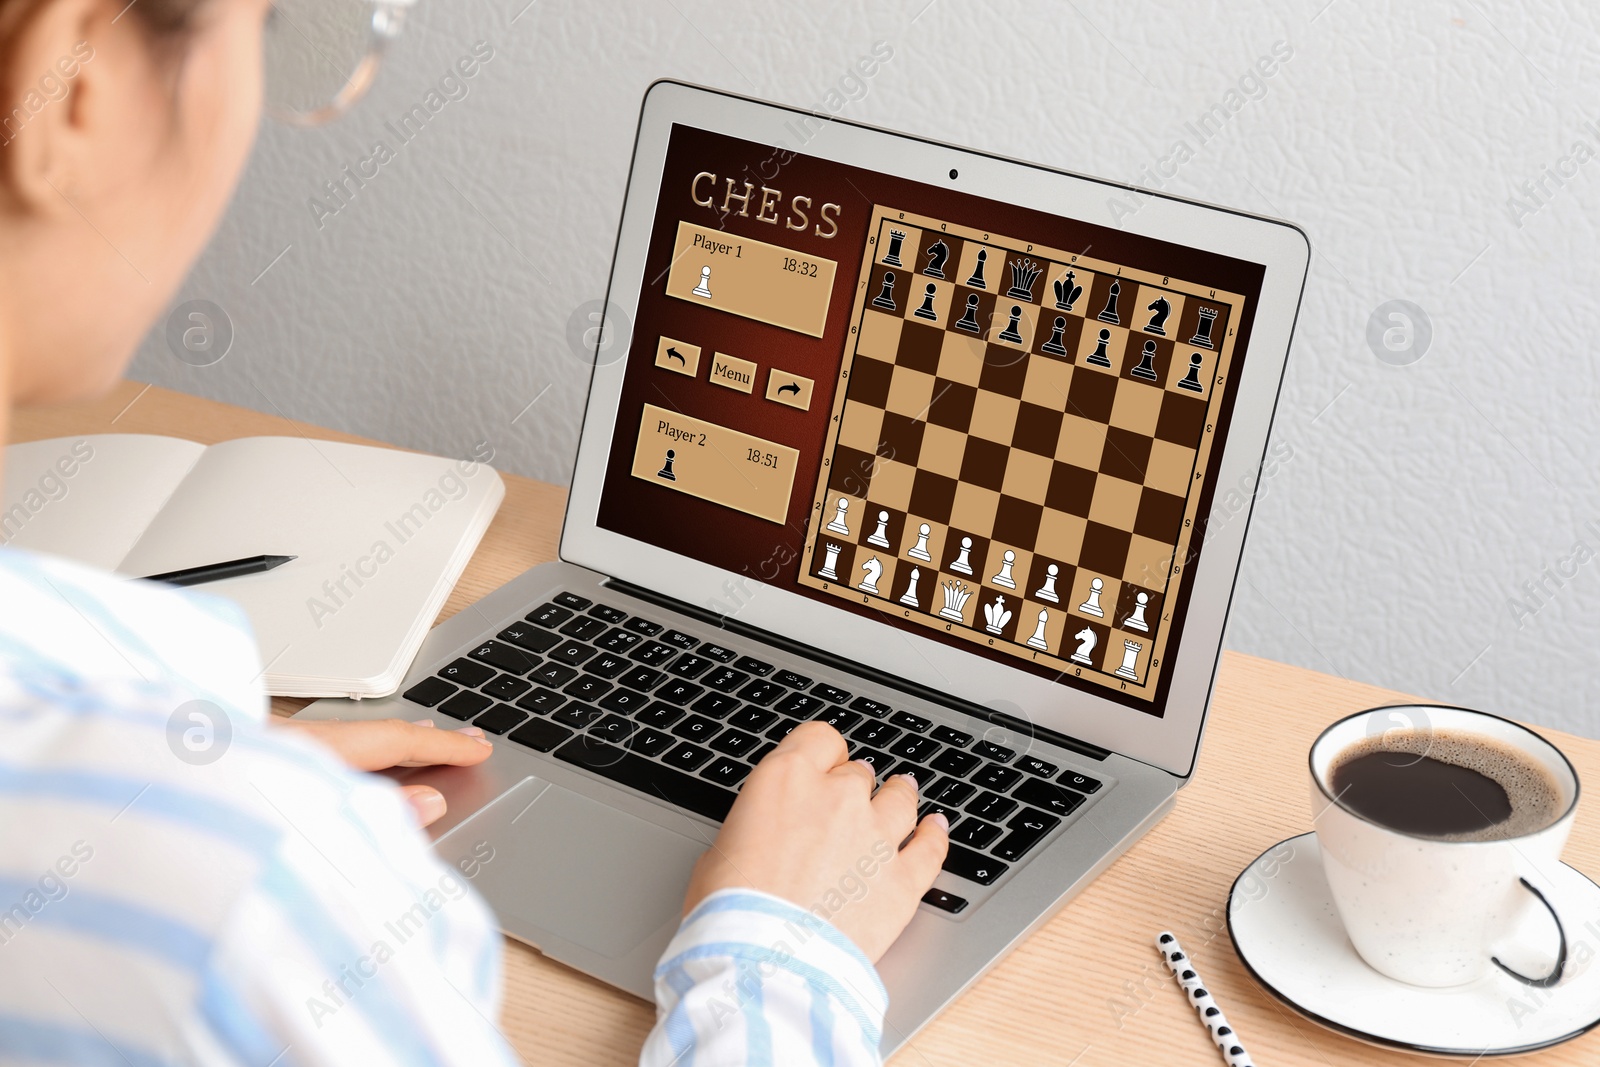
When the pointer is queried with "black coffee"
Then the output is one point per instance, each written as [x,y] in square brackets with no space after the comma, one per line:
[1444,784]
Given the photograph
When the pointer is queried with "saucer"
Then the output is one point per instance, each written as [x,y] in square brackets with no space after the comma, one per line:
[1286,930]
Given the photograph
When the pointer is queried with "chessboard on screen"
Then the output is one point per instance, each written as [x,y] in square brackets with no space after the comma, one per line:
[1018,446]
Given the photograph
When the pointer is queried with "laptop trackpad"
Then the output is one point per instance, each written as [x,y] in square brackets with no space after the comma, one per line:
[583,871]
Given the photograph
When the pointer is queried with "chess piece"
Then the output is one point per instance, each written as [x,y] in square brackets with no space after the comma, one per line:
[969,320]
[926,310]
[1130,661]
[955,598]
[1047,591]
[1067,293]
[1024,272]
[920,549]
[909,597]
[874,569]
[1202,331]
[1147,363]
[1086,641]
[1010,333]
[704,288]
[1136,620]
[1004,577]
[666,468]
[827,572]
[1038,639]
[1054,345]
[1109,312]
[1191,381]
[896,241]
[880,536]
[1100,357]
[1160,309]
[963,565]
[838,525]
[1092,606]
[995,615]
[938,252]
[885,299]
[976,281]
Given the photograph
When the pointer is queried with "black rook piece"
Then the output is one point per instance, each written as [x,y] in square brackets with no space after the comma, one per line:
[1191,381]
[1147,363]
[1099,356]
[1010,333]
[885,299]
[1158,320]
[937,254]
[969,320]
[1066,293]
[976,281]
[896,240]
[1202,332]
[1054,346]
[1110,313]
[926,310]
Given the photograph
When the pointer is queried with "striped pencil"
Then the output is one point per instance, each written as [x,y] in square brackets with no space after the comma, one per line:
[1182,968]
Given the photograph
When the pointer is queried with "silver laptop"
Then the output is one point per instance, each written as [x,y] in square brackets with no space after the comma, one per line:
[953,452]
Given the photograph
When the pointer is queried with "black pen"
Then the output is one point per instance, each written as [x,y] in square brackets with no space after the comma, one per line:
[213,572]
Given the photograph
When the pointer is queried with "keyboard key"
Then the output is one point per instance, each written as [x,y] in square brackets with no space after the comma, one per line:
[584,628]
[651,742]
[465,704]
[1049,797]
[1033,765]
[781,730]
[540,734]
[951,736]
[529,637]
[587,688]
[949,791]
[725,679]
[876,733]
[797,704]
[736,743]
[654,653]
[619,641]
[572,654]
[660,715]
[718,653]
[697,728]
[753,666]
[551,615]
[715,705]
[577,715]
[725,771]
[756,719]
[687,666]
[623,701]
[951,815]
[499,654]
[866,705]
[975,832]
[680,639]
[991,806]
[791,679]
[917,771]
[466,673]
[1027,830]
[507,687]
[995,777]
[606,665]
[642,626]
[642,678]
[499,719]
[762,693]
[541,701]
[910,721]
[608,613]
[687,757]
[991,751]
[678,692]
[911,747]
[973,866]
[429,691]
[571,600]
[839,718]
[613,728]
[879,760]
[954,761]
[554,674]
[1081,782]
[938,898]
[648,777]
[830,693]
[760,753]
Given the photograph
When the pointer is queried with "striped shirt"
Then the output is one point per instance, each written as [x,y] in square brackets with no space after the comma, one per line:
[180,883]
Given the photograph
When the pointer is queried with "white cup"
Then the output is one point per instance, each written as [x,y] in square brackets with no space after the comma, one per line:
[1431,912]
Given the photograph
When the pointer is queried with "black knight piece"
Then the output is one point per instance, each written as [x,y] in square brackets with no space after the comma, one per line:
[1159,309]
[937,254]
[1067,293]
[1024,272]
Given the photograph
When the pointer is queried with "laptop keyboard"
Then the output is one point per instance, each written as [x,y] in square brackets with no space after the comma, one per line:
[668,714]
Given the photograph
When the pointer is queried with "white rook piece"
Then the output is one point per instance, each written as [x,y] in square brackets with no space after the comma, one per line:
[874,569]
[909,597]
[1136,620]
[1004,577]
[920,549]
[830,562]
[963,565]
[838,524]
[1130,660]
[1037,640]
[1088,607]
[880,536]
[1047,591]
[704,288]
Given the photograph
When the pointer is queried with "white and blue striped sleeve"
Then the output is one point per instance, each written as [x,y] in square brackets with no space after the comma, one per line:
[751,979]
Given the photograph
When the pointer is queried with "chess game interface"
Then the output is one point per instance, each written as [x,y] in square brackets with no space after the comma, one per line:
[981,423]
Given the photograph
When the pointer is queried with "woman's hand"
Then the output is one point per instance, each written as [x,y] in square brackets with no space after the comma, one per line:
[380,744]
[807,827]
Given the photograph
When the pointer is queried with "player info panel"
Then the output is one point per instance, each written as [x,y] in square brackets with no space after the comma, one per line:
[1018,446]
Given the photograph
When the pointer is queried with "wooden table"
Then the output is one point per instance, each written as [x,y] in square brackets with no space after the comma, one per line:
[1089,990]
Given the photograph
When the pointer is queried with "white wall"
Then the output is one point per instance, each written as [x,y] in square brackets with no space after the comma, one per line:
[1394,544]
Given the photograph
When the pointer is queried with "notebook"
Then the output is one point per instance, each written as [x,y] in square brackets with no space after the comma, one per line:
[380,536]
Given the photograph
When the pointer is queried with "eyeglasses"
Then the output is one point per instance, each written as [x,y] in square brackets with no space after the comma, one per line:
[321,56]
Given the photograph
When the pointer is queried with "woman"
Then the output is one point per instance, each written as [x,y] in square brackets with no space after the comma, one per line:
[263,901]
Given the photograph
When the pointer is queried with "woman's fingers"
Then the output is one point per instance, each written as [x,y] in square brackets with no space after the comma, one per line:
[380,744]
[924,853]
[426,801]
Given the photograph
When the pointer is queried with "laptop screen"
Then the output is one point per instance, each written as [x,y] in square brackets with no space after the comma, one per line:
[983,424]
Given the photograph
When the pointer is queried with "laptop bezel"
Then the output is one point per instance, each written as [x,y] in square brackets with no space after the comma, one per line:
[1170,741]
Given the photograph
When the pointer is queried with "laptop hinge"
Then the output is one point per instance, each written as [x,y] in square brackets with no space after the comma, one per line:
[872,674]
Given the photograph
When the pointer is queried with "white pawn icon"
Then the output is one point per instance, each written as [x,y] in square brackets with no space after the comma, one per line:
[1047,591]
[1136,620]
[704,288]
[1092,606]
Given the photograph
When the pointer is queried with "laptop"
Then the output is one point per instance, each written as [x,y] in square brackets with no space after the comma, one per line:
[953,452]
